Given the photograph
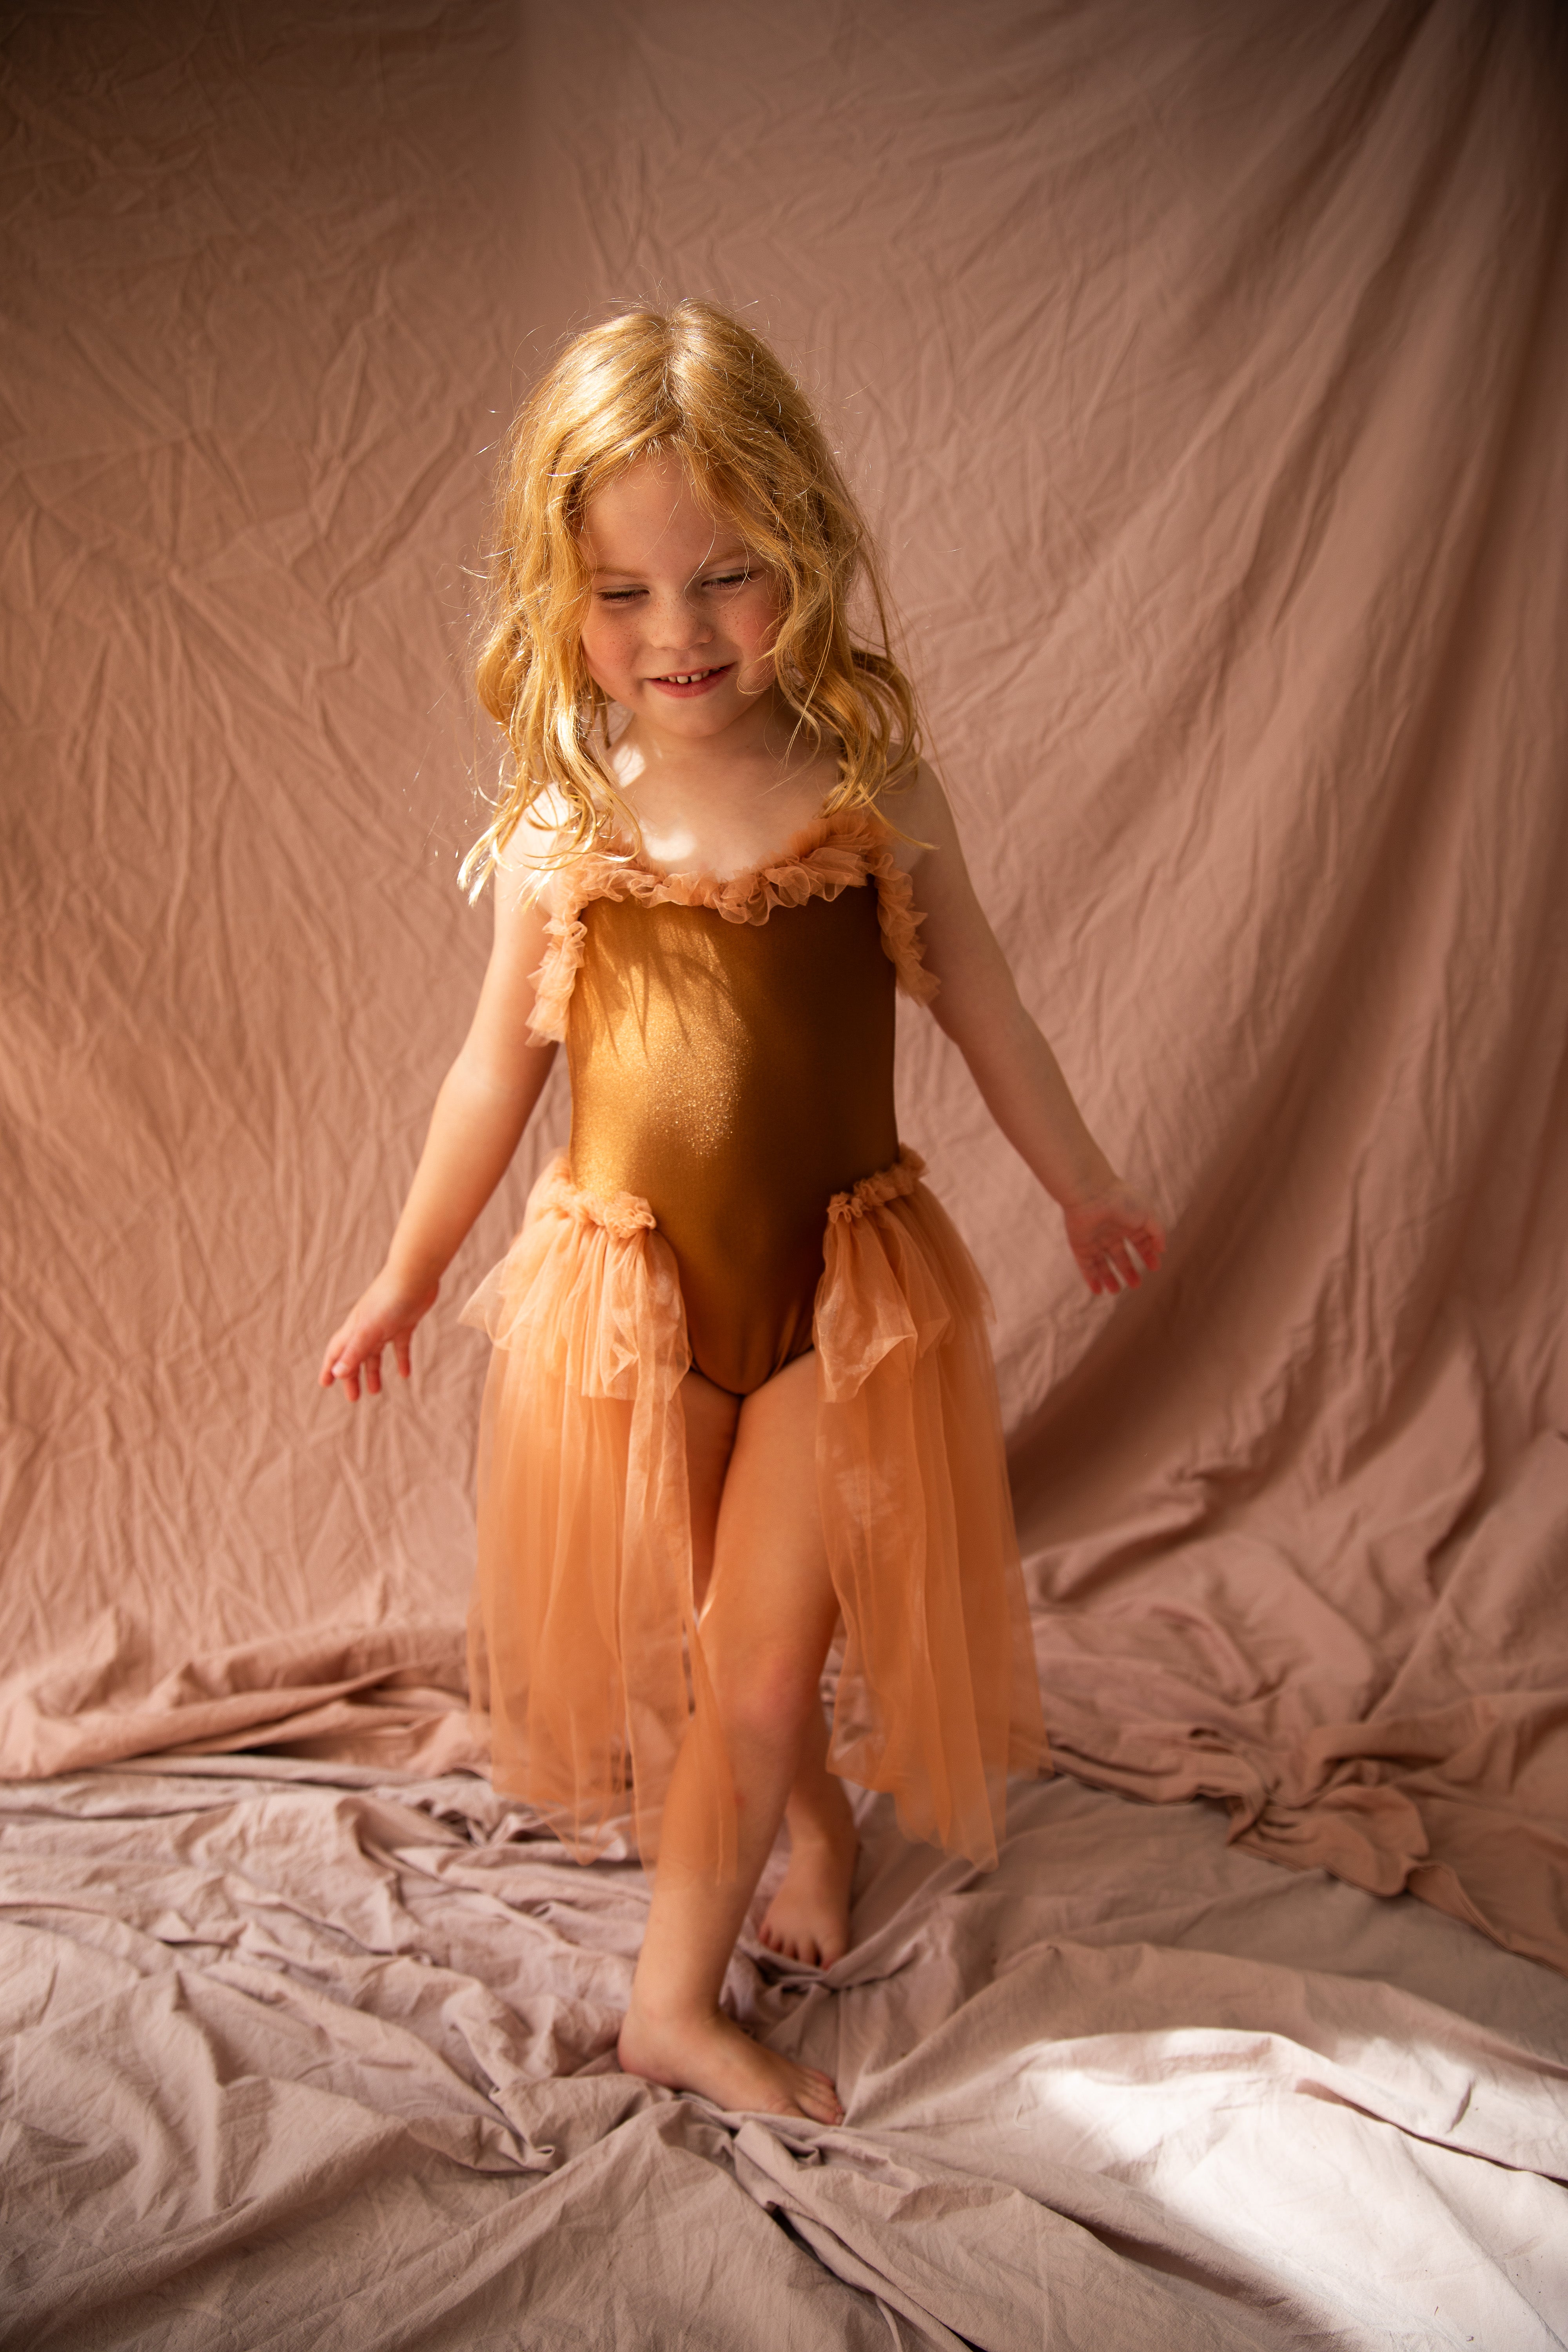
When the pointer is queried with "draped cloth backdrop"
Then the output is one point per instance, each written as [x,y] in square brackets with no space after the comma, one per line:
[1201,366]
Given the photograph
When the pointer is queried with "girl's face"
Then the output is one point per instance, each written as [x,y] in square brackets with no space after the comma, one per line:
[681,625]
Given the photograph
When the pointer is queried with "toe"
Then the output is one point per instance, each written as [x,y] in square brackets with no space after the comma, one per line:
[819,2088]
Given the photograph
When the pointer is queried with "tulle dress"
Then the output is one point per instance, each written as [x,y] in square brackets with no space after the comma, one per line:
[734,1194]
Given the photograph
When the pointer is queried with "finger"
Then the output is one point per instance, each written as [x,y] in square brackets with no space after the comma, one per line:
[373,1373]
[400,1349]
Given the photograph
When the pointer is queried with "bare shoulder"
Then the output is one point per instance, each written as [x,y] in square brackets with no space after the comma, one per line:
[526,869]
[521,884]
[921,816]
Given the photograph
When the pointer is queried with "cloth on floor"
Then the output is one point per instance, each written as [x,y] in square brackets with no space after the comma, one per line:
[288,2058]
[1201,371]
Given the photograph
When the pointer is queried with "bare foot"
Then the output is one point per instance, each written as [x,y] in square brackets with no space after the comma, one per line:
[808,1919]
[713,2056]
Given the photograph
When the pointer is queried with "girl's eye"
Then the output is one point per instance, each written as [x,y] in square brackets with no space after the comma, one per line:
[629,595]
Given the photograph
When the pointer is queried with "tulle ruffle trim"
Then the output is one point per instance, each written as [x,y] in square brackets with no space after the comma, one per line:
[894,1183]
[834,853]
[586,1649]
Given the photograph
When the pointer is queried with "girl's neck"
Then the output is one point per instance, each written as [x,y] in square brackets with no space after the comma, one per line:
[723,805]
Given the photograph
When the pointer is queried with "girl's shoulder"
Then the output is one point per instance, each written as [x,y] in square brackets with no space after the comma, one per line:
[916,815]
[543,855]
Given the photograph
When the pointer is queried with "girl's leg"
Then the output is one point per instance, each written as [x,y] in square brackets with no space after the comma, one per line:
[712,1416]
[808,1919]
[768,1620]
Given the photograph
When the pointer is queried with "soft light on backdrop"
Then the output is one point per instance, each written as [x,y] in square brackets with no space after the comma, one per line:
[1200,366]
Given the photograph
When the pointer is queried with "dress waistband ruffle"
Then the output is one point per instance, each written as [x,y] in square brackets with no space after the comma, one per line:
[894,1183]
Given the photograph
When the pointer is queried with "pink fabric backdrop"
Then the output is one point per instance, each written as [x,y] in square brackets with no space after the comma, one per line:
[1201,368]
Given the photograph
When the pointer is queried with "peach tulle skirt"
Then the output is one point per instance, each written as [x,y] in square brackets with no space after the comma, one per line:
[586,1650]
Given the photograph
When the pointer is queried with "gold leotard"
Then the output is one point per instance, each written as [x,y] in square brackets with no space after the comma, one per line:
[734,1195]
[735,1077]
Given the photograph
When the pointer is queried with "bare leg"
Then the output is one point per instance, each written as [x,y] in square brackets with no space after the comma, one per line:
[808,1919]
[712,1416]
[766,1625]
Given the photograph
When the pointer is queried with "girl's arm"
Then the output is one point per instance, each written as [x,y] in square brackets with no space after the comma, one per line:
[485,1102]
[979,1006]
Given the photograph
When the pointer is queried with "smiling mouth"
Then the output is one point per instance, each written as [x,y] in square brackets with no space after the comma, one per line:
[689,676]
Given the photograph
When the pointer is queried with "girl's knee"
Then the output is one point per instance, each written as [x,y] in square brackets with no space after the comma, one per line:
[765,1700]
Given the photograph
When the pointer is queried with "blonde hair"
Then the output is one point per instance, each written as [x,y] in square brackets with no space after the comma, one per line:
[694,384]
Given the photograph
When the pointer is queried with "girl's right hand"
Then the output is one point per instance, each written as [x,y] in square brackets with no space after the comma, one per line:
[1116,1236]
[384,1318]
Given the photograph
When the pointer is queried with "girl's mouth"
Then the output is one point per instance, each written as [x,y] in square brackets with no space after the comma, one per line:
[684,683]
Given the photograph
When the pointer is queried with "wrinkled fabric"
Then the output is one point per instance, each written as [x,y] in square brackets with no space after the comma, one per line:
[280,2046]
[1199,368]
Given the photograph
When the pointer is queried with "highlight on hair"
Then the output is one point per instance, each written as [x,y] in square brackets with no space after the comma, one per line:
[693,383]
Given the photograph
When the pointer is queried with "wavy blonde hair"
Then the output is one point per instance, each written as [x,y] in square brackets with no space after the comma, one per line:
[694,384]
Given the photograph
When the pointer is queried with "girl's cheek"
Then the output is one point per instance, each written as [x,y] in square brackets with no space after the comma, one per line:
[601,649]
[758,627]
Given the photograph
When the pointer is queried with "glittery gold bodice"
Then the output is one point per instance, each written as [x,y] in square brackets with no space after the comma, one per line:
[734,1075]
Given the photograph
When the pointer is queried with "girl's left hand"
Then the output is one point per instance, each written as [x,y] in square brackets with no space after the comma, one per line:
[1107,1229]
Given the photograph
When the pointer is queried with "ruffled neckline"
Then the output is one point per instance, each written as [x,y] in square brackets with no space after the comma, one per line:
[837,851]
[856,834]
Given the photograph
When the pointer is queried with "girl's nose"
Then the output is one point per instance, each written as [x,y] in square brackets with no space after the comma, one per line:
[678,621]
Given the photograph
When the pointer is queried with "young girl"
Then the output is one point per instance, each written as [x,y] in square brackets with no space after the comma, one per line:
[741,1400]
